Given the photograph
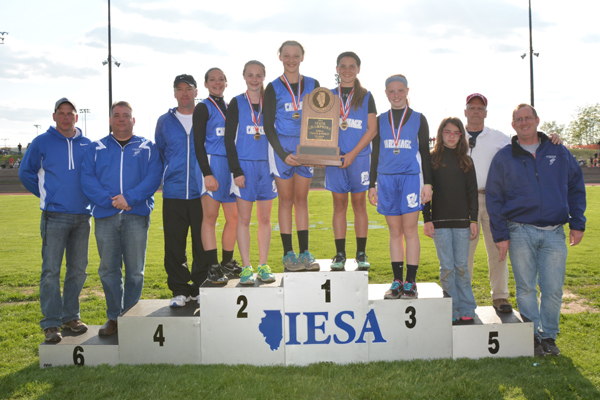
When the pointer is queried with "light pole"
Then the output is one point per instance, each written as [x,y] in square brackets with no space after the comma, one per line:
[531,54]
[85,112]
[38,129]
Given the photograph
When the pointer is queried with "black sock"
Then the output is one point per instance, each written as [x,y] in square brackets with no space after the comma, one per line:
[340,246]
[286,239]
[213,257]
[227,256]
[361,245]
[303,240]
[397,268]
[411,273]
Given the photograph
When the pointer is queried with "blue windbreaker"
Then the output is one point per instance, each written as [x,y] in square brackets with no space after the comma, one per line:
[51,169]
[544,190]
[133,171]
[177,153]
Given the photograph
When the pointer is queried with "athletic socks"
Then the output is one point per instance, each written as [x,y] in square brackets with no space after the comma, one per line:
[227,256]
[303,240]
[212,256]
[411,273]
[361,244]
[286,240]
[340,246]
[397,268]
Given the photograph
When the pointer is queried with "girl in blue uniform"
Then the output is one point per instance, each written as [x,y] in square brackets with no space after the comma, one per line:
[401,166]
[209,133]
[282,112]
[358,127]
[247,153]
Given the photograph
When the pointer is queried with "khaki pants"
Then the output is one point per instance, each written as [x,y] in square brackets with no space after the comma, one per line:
[498,274]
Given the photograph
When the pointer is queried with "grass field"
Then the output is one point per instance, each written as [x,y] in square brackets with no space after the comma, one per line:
[573,375]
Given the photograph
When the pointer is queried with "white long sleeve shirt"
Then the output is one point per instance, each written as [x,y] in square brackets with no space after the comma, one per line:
[488,143]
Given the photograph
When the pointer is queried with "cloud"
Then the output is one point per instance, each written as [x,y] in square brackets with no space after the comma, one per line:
[442,51]
[506,48]
[20,66]
[24,114]
[591,38]
[97,38]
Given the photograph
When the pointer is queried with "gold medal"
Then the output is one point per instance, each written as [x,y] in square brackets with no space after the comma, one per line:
[296,115]
[344,125]
[257,136]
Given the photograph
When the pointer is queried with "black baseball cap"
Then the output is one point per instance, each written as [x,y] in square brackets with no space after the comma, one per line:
[185,78]
[62,101]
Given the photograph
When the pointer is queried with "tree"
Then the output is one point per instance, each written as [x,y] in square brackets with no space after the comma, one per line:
[552,127]
[584,129]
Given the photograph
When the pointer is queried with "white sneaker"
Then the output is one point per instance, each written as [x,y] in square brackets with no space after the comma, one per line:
[179,301]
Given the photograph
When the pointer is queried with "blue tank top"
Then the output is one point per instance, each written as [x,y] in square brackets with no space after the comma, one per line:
[248,148]
[285,124]
[408,161]
[215,130]
[357,126]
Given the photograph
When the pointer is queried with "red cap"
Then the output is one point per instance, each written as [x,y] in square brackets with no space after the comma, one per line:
[482,97]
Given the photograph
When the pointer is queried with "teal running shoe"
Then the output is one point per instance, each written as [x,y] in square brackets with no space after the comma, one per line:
[309,261]
[395,291]
[362,261]
[410,290]
[247,276]
[264,273]
[338,262]
[291,262]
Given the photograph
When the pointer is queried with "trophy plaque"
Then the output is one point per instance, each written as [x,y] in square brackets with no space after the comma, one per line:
[320,129]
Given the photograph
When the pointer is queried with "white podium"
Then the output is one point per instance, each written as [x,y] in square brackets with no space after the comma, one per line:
[417,328]
[242,324]
[85,349]
[151,332]
[493,334]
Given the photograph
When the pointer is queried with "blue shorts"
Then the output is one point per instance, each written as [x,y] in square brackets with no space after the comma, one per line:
[259,184]
[354,179]
[279,168]
[399,194]
[220,170]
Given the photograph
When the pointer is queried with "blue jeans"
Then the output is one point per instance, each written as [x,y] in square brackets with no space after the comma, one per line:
[122,238]
[539,257]
[452,245]
[59,232]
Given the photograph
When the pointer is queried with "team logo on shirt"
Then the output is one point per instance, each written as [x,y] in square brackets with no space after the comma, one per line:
[290,106]
[220,131]
[250,130]
[552,159]
[136,151]
[364,178]
[402,144]
[413,200]
[353,123]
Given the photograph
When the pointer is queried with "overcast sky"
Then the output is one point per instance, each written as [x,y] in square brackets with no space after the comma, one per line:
[446,48]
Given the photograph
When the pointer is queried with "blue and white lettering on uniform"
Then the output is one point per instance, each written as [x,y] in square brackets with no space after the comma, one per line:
[217,156]
[399,176]
[253,157]
[288,130]
[355,178]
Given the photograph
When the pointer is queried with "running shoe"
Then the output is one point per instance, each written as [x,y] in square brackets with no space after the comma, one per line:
[338,262]
[216,275]
[264,273]
[309,261]
[410,290]
[247,276]
[549,346]
[395,291]
[231,269]
[291,262]
[362,261]
[179,301]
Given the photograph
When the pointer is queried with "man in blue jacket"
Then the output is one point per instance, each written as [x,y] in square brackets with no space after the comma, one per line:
[120,174]
[533,188]
[182,208]
[51,169]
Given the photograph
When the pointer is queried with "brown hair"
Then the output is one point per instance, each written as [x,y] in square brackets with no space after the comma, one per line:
[462,147]
[359,91]
[290,43]
[120,103]
[254,62]
[213,69]
[523,105]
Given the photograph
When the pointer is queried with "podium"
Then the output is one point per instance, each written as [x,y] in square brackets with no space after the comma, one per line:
[301,318]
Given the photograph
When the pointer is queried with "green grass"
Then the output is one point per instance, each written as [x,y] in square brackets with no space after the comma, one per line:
[573,375]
